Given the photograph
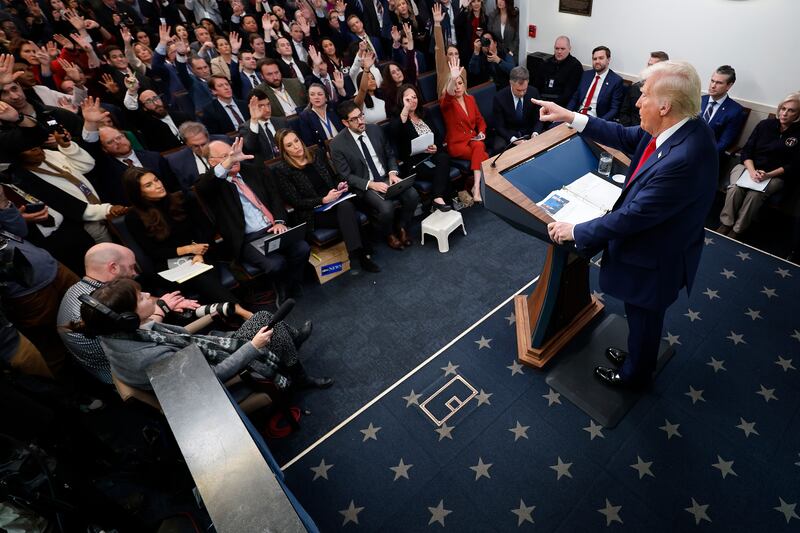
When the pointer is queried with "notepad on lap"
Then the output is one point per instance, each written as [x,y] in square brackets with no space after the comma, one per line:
[184,271]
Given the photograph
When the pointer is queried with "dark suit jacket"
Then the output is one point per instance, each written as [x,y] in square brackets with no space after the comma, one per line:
[608,101]
[653,237]
[217,120]
[258,144]
[107,173]
[221,198]
[557,81]
[287,72]
[247,84]
[629,113]
[296,90]
[197,88]
[156,135]
[182,163]
[349,159]
[505,116]
[726,123]
[311,129]
[298,191]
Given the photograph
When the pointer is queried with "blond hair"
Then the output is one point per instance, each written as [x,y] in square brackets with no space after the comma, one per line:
[678,83]
[791,97]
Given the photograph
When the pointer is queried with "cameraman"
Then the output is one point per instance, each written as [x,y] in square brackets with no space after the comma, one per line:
[32,303]
[489,61]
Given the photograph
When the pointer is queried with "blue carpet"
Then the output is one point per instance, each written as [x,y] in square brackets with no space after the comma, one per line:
[715,445]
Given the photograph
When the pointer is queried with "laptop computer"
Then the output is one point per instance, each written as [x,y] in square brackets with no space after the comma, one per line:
[272,242]
[399,187]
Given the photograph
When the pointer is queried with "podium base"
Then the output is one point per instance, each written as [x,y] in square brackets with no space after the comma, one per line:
[538,357]
[573,372]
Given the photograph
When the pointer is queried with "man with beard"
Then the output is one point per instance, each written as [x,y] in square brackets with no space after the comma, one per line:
[285,96]
[150,116]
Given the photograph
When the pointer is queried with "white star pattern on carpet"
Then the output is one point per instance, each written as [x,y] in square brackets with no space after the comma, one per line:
[643,467]
[670,429]
[483,398]
[351,513]
[371,432]
[519,431]
[599,295]
[744,256]
[412,399]
[737,338]
[783,272]
[695,395]
[401,470]
[748,427]
[787,509]
[716,365]
[725,467]
[672,339]
[594,430]
[700,512]
[483,342]
[321,471]
[515,368]
[769,293]
[445,432]
[768,394]
[450,369]
[796,335]
[728,273]
[711,293]
[438,513]
[481,469]
[785,364]
[754,314]
[552,397]
[611,512]
[511,319]
[562,469]
[693,315]
[523,513]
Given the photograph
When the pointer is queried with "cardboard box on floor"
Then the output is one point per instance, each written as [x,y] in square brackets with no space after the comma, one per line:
[329,262]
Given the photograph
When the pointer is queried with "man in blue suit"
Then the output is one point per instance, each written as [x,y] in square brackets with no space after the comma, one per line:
[601,90]
[514,114]
[653,237]
[723,114]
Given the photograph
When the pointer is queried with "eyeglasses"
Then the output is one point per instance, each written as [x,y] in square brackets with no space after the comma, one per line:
[357,118]
[152,100]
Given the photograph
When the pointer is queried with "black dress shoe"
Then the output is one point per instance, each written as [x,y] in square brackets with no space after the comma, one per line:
[366,262]
[609,376]
[303,333]
[311,382]
[616,355]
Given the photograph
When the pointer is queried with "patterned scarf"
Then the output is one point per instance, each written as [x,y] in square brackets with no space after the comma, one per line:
[214,349]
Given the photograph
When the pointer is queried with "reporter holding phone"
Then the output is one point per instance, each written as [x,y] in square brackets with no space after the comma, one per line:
[305,182]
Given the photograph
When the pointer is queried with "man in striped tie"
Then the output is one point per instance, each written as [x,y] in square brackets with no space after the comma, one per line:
[653,237]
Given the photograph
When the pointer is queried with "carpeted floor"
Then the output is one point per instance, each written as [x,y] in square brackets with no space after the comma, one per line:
[715,445]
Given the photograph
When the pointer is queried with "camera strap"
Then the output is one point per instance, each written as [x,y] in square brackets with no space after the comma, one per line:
[61,173]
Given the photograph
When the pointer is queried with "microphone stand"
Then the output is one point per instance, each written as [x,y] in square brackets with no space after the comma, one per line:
[509,145]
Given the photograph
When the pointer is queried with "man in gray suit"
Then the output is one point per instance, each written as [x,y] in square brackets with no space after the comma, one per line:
[259,132]
[285,95]
[367,161]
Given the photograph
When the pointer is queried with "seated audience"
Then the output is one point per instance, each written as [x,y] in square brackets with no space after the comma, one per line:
[245,206]
[771,155]
[373,107]
[444,50]
[225,113]
[168,226]
[290,65]
[134,343]
[306,182]
[370,42]
[318,122]
[724,115]
[600,91]
[228,49]
[364,158]
[333,81]
[158,123]
[259,132]
[394,77]
[196,81]
[431,165]
[558,77]
[628,112]
[515,116]
[465,126]
[249,76]
[285,95]
[489,62]
[103,263]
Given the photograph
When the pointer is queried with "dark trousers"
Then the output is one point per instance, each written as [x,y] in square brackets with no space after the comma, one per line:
[439,175]
[383,210]
[343,217]
[644,338]
[285,265]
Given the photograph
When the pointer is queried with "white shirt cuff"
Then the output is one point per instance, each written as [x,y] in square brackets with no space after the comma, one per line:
[579,122]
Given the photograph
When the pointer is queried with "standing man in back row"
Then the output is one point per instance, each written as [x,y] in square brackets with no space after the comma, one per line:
[559,76]
[653,237]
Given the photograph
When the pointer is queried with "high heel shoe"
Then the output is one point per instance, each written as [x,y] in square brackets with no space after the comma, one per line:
[440,207]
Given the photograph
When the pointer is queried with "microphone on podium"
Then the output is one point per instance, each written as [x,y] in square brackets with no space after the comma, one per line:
[509,145]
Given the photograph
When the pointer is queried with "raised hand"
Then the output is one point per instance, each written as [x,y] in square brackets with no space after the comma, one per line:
[42,56]
[75,19]
[304,25]
[65,103]
[82,42]
[395,34]
[125,33]
[52,49]
[438,15]
[315,56]
[455,67]
[110,85]
[338,80]
[90,24]
[92,112]
[236,42]
[34,9]
[409,36]
[8,114]
[235,155]
[341,6]
[164,33]
[181,47]
[7,74]
[63,41]
[367,61]
[255,110]
[71,70]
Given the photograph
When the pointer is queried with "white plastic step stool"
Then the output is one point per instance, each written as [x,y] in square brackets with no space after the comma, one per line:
[441,224]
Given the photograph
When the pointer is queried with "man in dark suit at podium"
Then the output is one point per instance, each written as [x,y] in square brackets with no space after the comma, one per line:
[514,114]
[653,237]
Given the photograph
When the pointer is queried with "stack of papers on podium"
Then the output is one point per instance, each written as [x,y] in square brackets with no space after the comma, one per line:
[184,271]
[584,199]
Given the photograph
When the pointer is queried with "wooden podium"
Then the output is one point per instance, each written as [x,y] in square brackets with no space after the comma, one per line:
[561,305]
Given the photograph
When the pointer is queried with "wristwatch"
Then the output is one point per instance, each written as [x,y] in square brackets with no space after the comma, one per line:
[163,306]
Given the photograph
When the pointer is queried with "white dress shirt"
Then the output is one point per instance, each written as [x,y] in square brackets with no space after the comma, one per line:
[716,107]
[289,106]
[293,64]
[593,104]
[372,152]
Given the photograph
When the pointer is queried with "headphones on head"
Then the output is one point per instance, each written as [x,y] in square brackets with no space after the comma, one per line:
[126,321]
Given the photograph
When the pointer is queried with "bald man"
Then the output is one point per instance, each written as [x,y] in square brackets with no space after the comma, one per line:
[558,77]
[103,262]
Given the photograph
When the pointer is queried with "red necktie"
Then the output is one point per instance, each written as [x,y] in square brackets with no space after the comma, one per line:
[587,105]
[651,147]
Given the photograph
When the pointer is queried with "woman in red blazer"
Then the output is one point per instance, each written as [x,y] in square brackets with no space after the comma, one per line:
[466,129]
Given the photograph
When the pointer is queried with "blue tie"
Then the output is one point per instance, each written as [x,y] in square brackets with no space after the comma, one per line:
[519,109]
[709,110]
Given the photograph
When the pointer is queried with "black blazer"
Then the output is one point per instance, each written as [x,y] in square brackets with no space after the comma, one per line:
[217,120]
[258,144]
[287,72]
[299,192]
[404,133]
[221,198]
[311,129]
[349,159]
[157,136]
[505,116]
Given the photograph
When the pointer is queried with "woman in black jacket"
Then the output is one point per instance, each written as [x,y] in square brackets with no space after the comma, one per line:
[168,226]
[431,165]
[305,183]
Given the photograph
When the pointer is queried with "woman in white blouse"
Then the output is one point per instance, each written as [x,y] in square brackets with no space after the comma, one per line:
[374,108]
